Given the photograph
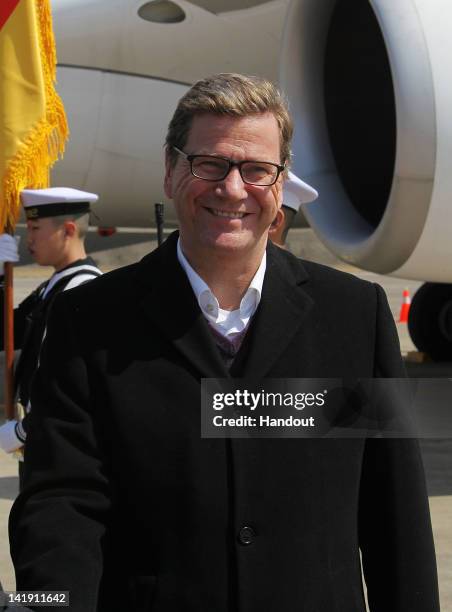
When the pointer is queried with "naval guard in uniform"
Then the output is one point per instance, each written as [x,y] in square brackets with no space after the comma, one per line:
[295,193]
[57,221]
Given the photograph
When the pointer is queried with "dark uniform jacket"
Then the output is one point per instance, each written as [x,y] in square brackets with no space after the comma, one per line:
[30,319]
[128,508]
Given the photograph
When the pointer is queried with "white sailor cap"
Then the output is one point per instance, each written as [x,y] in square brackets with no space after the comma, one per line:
[56,201]
[296,192]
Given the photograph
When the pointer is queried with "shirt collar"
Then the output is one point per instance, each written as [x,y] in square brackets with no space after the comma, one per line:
[207,300]
[87,264]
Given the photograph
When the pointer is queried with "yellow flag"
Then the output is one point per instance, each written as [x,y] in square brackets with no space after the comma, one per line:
[33,126]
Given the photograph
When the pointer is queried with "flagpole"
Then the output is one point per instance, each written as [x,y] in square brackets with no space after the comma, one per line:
[8,321]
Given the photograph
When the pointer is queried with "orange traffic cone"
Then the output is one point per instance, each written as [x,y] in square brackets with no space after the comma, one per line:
[405,308]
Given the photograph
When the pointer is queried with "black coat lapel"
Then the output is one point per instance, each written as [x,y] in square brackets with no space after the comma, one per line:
[280,314]
[170,303]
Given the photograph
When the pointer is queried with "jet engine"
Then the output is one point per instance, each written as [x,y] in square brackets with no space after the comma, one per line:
[370,91]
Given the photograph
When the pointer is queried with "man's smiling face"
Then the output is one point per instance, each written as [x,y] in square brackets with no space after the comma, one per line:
[228,216]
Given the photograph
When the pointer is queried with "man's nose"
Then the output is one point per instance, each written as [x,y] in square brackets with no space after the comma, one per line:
[233,185]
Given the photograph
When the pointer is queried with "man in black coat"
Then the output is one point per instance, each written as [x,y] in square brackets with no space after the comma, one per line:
[126,505]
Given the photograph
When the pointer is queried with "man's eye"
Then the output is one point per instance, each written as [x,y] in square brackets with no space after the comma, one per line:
[210,164]
[258,169]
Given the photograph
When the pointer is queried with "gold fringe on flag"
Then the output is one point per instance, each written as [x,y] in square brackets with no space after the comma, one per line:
[30,167]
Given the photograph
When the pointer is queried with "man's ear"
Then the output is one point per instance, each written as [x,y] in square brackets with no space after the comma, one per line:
[276,230]
[168,181]
[278,221]
[70,229]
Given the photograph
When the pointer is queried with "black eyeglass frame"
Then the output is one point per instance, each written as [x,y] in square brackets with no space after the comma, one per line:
[280,168]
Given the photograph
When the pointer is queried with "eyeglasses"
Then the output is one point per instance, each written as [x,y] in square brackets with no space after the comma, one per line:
[213,168]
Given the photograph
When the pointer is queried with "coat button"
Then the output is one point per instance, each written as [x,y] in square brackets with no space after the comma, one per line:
[246,535]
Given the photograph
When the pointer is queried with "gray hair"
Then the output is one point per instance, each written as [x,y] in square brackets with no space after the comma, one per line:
[230,94]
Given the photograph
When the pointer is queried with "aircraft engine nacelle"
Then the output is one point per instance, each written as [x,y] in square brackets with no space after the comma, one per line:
[371,95]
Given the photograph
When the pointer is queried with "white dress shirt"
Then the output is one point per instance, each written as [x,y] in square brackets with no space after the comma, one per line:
[226,322]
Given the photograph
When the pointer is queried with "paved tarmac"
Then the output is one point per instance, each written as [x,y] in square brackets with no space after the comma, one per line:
[437,453]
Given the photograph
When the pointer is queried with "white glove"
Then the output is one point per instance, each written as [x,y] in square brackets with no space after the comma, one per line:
[9,442]
[9,249]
